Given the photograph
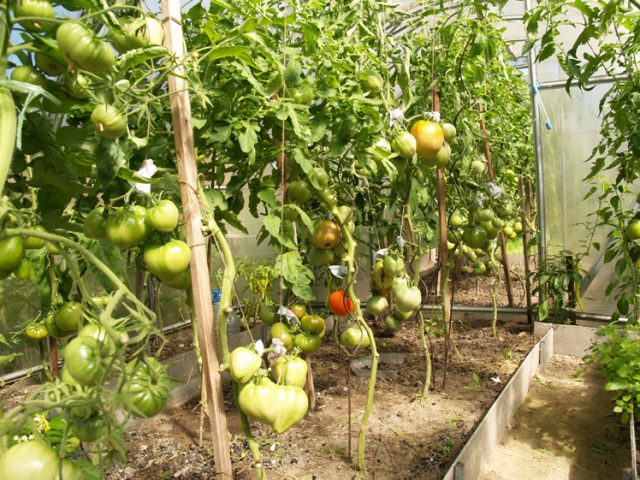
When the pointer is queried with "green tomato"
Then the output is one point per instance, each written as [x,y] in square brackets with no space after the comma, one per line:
[126,228]
[485,214]
[321,176]
[327,234]
[34,8]
[404,145]
[268,313]
[32,460]
[68,318]
[109,121]
[25,271]
[402,316]
[95,224]
[85,358]
[280,406]
[281,331]
[632,230]
[443,155]
[100,334]
[176,257]
[457,219]
[320,256]
[407,298]
[36,331]
[371,83]
[355,336]
[475,236]
[478,167]
[313,324]
[11,253]
[143,32]
[81,47]
[77,85]
[298,309]
[393,265]
[450,132]
[377,305]
[380,276]
[28,74]
[48,64]
[306,342]
[301,95]
[479,268]
[148,389]
[392,323]
[299,191]
[290,371]
[34,243]
[163,216]
[87,429]
[52,329]
[244,364]
[182,281]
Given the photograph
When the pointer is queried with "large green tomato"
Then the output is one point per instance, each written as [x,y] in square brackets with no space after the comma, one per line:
[320,256]
[68,318]
[485,214]
[25,271]
[148,388]
[48,64]
[280,406]
[355,336]
[163,216]
[32,460]
[393,265]
[313,324]
[290,371]
[34,8]
[407,298]
[327,234]
[95,224]
[633,229]
[11,253]
[84,358]
[298,191]
[81,47]
[404,145]
[176,257]
[244,364]
[142,32]
[392,323]
[268,313]
[109,121]
[281,331]
[380,277]
[377,305]
[402,316]
[306,342]
[126,228]
[450,132]
[475,236]
[87,429]
[443,155]
[34,243]
[77,85]
[36,331]
[371,83]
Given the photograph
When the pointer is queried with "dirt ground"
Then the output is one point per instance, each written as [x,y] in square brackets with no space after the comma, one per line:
[565,430]
[407,438]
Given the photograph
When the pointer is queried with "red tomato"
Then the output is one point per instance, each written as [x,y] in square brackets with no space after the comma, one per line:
[340,304]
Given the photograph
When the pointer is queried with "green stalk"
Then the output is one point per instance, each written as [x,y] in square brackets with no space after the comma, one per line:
[427,357]
[8,117]
[494,320]
[222,316]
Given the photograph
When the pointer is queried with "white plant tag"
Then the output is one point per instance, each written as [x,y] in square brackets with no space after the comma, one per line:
[259,347]
[147,170]
[494,190]
[338,271]
[381,253]
[288,314]
[401,241]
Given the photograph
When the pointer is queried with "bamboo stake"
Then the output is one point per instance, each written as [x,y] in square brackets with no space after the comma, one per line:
[525,196]
[200,282]
[492,176]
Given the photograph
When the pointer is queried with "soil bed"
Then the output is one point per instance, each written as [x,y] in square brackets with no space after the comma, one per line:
[407,438]
[565,429]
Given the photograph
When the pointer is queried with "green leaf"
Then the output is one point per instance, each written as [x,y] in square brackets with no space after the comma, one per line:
[7,359]
[4,341]
[289,266]
[248,138]
[110,158]
[110,255]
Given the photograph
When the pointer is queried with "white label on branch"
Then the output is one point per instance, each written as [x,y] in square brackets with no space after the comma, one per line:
[147,170]
[494,190]
[338,271]
[401,241]
[288,314]
[259,347]
[381,253]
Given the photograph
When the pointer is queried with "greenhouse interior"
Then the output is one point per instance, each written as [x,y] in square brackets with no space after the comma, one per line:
[319,240]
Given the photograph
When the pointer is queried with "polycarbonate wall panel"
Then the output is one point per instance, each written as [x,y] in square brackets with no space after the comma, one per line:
[565,152]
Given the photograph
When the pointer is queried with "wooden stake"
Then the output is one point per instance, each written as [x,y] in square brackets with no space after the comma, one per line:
[200,282]
[309,387]
[53,357]
[503,240]
[525,196]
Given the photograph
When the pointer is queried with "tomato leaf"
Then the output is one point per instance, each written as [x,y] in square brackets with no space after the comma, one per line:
[110,157]
[289,266]
[109,255]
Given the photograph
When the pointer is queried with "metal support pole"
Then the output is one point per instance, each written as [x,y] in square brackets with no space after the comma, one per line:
[537,144]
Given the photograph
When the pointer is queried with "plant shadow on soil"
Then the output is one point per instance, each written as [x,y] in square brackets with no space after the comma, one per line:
[565,430]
